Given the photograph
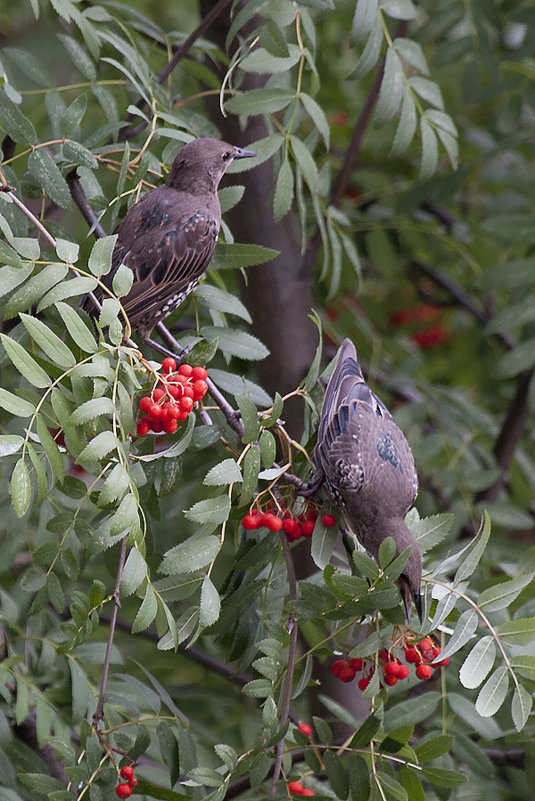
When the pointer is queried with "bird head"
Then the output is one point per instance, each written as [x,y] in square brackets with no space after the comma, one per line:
[201,164]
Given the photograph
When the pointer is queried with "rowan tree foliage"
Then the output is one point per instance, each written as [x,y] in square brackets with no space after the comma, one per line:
[142,624]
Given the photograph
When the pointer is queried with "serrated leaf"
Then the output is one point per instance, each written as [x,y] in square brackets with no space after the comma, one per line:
[464,630]
[399,9]
[412,52]
[250,420]
[89,410]
[78,154]
[492,694]
[134,572]
[521,707]
[443,777]
[478,663]
[32,291]
[336,774]
[54,348]
[10,443]
[76,327]
[412,783]
[79,57]
[316,113]
[100,257]
[236,385]
[323,542]
[19,127]
[306,162]
[25,364]
[503,594]
[406,126]
[50,448]
[212,510]
[268,448]
[126,517]
[428,163]
[146,612]
[284,191]
[250,471]
[15,405]
[259,101]
[226,472]
[12,276]
[434,747]
[210,603]
[359,778]
[98,447]
[390,94]
[412,711]
[366,13]
[236,343]
[519,632]
[428,90]
[214,298]
[67,289]
[475,553]
[261,62]
[372,50]
[191,555]
[46,172]
[20,488]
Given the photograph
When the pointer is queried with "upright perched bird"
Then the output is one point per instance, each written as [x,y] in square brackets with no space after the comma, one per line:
[368,467]
[168,238]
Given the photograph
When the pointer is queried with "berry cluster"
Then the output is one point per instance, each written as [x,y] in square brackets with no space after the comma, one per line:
[429,335]
[293,527]
[420,654]
[124,790]
[172,398]
[297,788]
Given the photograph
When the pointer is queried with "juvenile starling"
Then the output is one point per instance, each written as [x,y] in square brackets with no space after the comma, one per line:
[368,467]
[168,238]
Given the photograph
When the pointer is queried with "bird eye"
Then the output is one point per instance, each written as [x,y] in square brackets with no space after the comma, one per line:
[227,155]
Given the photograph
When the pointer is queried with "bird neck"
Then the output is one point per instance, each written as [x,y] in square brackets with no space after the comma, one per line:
[193,178]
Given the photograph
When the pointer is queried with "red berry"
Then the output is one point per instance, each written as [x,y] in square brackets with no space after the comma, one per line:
[426,644]
[347,674]
[435,651]
[445,662]
[307,791]
[168,365]
[384,655]
[356,663]
[306,729]
[412,656]
[158,393]
[174,391]
[170,426]
[200,388]
[174,410]
[363,683]
[307,528]
[186,370]
[155,411]
[186,405]
[133,782]
[424,671]
[199,374]
[391,669]
[250,522]
[403,672]
[142,429]
[156,426]
[128,771]
[145,403]
[187,392]
[271,521]
[328,521]
[123,790]
[311,514]
[295,787]
[391,680]
[290,525]
[182,415]
[337,666]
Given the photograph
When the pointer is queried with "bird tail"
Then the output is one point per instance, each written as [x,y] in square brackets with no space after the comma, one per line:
[346,382]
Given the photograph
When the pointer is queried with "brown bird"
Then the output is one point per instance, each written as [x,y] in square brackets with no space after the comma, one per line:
[368,468]
[168,238]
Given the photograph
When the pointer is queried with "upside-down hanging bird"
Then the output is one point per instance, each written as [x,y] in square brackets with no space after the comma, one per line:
[168,237]
[368,468]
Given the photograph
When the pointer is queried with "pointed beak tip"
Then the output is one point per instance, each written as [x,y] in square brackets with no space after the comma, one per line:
[245,154]
[418,604]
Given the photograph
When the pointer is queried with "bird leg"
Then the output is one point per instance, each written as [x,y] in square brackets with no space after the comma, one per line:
[310,487]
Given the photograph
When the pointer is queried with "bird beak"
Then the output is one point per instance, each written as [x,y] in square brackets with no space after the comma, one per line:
[240,153]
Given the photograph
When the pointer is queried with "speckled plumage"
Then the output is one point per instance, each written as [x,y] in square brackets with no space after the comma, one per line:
[368,467]
[168,238]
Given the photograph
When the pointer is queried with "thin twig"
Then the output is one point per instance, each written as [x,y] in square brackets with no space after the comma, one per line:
[78,195]
[99,711]
[292,653]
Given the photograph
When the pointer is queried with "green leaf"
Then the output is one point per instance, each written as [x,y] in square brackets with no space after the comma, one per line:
[434,747]
[268,448]
[40,474]
[19,127]
[214,298]
[50,448]
[261,62]
[412,711]
[492,694]
[443,777]
[406,126]
[212,510]
[392,787]
[336,774]
[147,611]
[126,518]
[464,630]
[315,111]
[20,488]
[54,348]
[284,190]
[250,471]
[521,707]
[78,330]
[478,663]
[399,9]
[45,171]
[134,572]
[359,778]
[306,162]
[25,364]
[67,251]
[503,594]
[100,257]
[250,420]
[40,783]
[428,163]
[210,603]
[193,554]
[15,405]
[236,385]
[89,410]
[412,784]
[259,101]
[391,92]
[12,276]
[33,290]
[428,90]
[98,447]
[10,443]
[122,280]
[518,632]
[79,57]
[78,154]
[226,472]
[67,289]
[236,343]
[372,50]
[364,18]
[467,567]
[412,52]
